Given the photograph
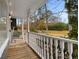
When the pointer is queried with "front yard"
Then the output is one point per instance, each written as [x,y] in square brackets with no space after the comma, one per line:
[57,33]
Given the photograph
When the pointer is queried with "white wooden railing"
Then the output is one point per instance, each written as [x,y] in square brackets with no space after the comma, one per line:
[50,47]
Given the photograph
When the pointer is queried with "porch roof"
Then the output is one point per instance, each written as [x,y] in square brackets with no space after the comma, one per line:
[19,8]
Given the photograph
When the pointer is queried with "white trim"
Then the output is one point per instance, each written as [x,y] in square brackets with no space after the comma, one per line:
[4,45]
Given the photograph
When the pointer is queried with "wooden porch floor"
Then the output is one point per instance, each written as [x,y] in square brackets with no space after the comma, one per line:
[20,50]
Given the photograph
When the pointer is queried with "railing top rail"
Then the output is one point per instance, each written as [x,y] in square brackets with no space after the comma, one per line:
[57,38]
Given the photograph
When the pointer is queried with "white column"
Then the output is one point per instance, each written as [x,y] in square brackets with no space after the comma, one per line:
[28,18]
[28,28]
[9,27]
[70,50]
[28,25]
[23,28]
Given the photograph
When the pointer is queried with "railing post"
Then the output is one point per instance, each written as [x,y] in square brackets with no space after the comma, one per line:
[51,43]
[70,49]
[56,50]
[62,49]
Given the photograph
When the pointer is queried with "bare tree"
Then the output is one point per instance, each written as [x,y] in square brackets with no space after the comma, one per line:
[46,18]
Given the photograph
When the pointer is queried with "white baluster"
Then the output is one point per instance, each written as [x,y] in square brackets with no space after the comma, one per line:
[56,50]
[39,44]
[70,50]
[62,49]
[36,43]
[51,43]
[42,45]
[44,49]
[47,49]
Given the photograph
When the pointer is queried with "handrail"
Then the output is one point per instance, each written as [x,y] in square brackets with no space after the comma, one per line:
[57,38]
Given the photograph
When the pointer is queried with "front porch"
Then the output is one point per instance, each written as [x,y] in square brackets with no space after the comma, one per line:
[32,45]
[39,46]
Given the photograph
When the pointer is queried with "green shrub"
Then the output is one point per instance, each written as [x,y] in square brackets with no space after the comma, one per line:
[33,29]
[58,26]
[16,33]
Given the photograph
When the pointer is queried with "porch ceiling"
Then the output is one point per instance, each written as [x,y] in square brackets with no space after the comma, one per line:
[3,8]
[19,8]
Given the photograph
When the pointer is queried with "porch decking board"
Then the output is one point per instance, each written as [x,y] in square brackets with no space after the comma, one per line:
[20,50]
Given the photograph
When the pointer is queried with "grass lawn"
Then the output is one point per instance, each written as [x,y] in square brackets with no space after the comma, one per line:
[57,33]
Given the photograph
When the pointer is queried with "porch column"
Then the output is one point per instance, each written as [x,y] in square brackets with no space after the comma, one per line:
[23,29]
[8,20]
[28,28]
[8,27]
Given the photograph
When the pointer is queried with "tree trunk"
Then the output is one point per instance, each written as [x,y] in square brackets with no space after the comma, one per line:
[46,18]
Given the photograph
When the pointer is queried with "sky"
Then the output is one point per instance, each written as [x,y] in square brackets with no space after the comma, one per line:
[56,6]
